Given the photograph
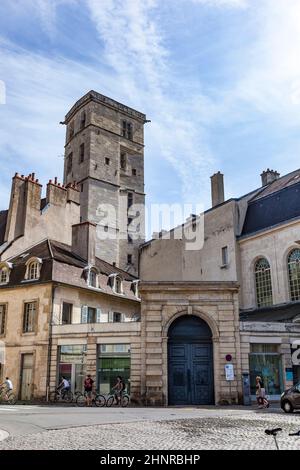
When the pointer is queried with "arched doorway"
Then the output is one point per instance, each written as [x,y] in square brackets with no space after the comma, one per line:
[190,362]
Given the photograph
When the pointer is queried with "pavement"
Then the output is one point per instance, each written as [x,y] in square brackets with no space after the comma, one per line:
[57,427]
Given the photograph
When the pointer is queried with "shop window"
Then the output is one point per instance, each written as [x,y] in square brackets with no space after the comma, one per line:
[294,274]
[29,318]
[67,310]
[263,283]
[72,365]
[265,361]
[113,360]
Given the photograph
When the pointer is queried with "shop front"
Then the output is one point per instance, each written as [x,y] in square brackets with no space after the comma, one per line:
[72,365]
[113,360]
[265,361]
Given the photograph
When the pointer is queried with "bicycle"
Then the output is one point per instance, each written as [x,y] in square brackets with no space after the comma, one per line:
[97,399]
[274,432]
[61,395]
[11,398]
[123,400]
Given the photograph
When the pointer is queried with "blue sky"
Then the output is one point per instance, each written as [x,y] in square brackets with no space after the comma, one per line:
[219,79]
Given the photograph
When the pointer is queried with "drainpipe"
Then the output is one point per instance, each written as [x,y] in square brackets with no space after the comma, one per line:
[50,344]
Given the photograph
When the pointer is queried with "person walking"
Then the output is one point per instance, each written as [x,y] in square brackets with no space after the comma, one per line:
[88,388]
[261,393]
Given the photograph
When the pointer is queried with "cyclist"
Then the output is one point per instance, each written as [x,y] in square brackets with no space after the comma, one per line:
[64,385]
[261,393]
[8,387]
[119,389]
[88,388]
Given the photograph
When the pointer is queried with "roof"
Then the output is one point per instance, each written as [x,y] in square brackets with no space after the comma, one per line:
[3,221]
[284,313]
[274,208]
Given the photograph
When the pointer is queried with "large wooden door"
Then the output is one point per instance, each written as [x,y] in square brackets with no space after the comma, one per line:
[190,363]
[26,376]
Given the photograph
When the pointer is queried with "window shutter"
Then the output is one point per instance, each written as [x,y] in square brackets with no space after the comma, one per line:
[110,316]
[104,317]
[123,318]
[84,314]
[98,315]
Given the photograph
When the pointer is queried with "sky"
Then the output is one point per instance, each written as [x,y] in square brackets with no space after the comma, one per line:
[219,80]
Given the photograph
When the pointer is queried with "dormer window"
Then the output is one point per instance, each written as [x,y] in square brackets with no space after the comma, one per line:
[118,285]
[92,278]
[33,269]
[5,269]
[135,287]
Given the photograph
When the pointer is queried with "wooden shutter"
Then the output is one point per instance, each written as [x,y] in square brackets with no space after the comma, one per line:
[84,314]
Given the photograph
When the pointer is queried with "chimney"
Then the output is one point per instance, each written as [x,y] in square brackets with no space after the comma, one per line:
[84,241]
[73,193]
[217,189]
[269,176]
[56,193]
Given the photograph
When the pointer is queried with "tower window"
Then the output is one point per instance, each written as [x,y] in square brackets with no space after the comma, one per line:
[129,239]
[129,220]
[129,259]
[107,161]
[69,162]
[129,200]
[133,172]
[225,255]
[81,153]
[105,228]
[127,130]
[123,161]
[81,187]
[82,120]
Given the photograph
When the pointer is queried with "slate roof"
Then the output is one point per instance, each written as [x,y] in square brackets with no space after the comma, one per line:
[277,203]
[286,313]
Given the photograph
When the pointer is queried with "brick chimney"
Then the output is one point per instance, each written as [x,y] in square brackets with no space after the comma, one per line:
[217,189]
[84,241]
[268,176]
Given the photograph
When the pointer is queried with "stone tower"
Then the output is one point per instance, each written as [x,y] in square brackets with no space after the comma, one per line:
[104,154]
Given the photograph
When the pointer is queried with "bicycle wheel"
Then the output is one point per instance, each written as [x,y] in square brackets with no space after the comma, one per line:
[100,400]
[68,396]
[11,399]
[110,401]
[125,401]
[81,400]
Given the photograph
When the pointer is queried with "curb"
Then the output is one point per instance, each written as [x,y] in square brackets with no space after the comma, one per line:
[3,435]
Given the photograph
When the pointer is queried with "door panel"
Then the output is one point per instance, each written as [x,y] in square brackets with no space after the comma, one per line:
[190,374]
[26,376]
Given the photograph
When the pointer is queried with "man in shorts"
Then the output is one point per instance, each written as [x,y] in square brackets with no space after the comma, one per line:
[88,388]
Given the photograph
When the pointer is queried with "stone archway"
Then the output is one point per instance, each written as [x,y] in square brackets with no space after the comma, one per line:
[190,362]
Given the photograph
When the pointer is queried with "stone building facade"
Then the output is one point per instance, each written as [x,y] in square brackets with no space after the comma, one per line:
[104,154]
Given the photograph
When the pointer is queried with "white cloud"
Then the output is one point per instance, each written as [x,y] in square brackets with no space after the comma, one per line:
[223,3]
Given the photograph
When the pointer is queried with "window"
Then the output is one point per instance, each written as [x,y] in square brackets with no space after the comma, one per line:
[82,187]
[29,317]
[225,255]
[81,153]
[72,365]
[67,309]
[265,361]
[129,200]
[127,130]
[90,314]
[4,275]
[105,228]
[82,120]
[129,239]
[71,130]
[113,359]
[294,274]
[69,162]
[129,259]
[135,288]
[117,317]
[123,161]
[92,278]
[263,283]
[133,172]
[118,285]
[33,270]
[129,220]
[107,161]
[3,309]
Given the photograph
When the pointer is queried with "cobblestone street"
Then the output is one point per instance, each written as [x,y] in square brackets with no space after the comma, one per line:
[224,429]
